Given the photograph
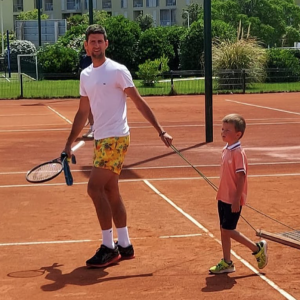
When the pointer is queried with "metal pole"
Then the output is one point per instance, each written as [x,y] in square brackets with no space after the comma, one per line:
[208,71]
[2,33]
[39,21]
[91,12]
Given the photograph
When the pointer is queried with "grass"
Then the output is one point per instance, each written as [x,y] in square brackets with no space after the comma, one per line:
[70,88]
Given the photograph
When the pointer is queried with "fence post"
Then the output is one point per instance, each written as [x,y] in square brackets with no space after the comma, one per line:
[244,81]
[21,85]
[172,83]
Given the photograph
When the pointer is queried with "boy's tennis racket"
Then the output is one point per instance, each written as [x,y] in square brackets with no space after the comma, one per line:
[51,169]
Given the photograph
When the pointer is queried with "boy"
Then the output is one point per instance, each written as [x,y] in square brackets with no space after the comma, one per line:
[232,195]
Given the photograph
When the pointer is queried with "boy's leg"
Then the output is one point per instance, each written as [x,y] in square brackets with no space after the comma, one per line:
[225,265]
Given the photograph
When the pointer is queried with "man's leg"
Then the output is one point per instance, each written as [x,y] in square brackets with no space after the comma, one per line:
[108,253]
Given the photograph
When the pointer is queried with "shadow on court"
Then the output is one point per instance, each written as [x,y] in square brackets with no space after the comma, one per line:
[221,282]
[81,276]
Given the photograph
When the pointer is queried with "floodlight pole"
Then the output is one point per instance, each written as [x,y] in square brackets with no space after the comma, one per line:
[2,33]
[91,13]
[208,71]
[39,21]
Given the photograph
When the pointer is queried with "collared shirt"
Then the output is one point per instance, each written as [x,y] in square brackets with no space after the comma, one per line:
[234,160]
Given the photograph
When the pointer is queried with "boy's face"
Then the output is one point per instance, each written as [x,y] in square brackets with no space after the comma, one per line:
[229,134]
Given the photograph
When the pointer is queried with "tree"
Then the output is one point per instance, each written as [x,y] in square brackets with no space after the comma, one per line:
[269,19]
[31,15]
[145,21]
[194,13]
[191,47]
[153,44]
[123,36]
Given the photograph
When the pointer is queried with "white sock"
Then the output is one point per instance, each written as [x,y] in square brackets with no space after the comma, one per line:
[123,237]
[92,127]
[107,238]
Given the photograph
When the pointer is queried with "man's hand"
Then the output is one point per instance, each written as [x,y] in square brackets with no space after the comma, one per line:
[166,138]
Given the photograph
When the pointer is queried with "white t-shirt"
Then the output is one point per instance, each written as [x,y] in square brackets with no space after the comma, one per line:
[104,86]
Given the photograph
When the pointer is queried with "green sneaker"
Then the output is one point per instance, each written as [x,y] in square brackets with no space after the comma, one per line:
[261,256]
[222,267]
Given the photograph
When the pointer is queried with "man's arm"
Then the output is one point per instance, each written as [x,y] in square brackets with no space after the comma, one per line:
[79,122]
[148,114]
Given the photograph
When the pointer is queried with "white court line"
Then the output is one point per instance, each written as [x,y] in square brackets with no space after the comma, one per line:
[88,241]
[265,107]
[263,277]
[33,130]
[67,120]
[173,167]
[142,179]
[139,127]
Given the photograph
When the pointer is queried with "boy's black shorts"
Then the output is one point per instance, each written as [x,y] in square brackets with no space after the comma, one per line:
[228,219]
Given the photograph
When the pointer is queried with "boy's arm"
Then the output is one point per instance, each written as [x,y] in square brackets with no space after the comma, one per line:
[235,207]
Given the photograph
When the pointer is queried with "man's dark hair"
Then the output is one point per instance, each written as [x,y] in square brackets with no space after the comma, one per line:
[95,29]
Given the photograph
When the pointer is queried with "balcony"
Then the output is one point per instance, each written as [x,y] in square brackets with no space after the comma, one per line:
[106,4]
[152,3]
[167,23]
[138,3]
[170,2]
[18,7]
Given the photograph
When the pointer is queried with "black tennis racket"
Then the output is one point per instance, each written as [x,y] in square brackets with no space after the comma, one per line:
[51,169]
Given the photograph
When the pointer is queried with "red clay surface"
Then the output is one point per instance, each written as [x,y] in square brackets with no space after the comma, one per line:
[49,230]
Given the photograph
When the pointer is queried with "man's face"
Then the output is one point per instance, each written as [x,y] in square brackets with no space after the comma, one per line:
[96,46]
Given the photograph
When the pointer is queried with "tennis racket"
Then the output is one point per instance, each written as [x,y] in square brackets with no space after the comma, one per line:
[51,169]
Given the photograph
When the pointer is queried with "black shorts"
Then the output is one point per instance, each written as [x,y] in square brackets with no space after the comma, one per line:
[228,219]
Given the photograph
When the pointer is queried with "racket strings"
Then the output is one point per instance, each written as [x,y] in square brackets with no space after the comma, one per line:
[45,171]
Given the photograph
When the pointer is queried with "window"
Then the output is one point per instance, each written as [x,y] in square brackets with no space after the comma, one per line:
[48,5]
[123,3]
[18,5]
[137,3]
[170,2]
[167,17]
[106,3]
[73,5]
[152,3]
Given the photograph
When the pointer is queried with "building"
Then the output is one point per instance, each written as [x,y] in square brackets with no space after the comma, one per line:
[164,12]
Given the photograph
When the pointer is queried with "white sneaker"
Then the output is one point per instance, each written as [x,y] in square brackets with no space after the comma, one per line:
[89,134]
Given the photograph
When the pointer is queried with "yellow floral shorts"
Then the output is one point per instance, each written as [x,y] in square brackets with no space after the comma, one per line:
[109,153]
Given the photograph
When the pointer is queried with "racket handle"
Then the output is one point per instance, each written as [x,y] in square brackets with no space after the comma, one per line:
[78,145]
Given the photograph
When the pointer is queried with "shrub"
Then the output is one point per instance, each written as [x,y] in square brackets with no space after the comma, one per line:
[150,71]
[230,58]
[283,65]
[58,59]
[20,47]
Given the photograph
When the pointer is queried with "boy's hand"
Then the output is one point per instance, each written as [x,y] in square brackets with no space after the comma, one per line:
[235,207]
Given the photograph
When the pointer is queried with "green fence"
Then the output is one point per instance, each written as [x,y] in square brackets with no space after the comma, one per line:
[171,83]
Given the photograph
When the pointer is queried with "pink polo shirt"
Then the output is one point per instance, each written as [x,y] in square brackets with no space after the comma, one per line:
[234,160]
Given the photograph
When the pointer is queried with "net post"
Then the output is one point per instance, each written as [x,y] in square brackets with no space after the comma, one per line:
[208,71]
[21,86]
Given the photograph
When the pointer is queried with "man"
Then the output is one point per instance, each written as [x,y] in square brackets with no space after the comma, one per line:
[103,87]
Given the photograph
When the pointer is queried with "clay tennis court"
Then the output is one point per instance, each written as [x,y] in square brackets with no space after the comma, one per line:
[49,230]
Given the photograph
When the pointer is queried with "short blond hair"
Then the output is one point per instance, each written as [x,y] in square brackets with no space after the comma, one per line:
[238,122]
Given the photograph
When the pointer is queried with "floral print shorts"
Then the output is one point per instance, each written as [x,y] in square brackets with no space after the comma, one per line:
[109,153]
